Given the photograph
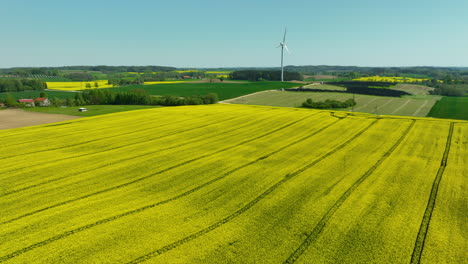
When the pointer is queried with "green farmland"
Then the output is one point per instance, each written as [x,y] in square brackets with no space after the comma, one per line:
[451,107]
[224,90]
[235,184]
[408,106]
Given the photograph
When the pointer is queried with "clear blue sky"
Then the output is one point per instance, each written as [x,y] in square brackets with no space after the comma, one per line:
[245,33]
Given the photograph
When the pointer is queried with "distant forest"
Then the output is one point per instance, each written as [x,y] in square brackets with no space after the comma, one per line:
[355,72]
[342,71]
[53,71]
[264,75]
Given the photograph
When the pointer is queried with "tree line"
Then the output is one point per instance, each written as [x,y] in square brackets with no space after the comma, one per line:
[328,104]
[18,85]
[265,75]
[438,73]
[53,71]
[136,96]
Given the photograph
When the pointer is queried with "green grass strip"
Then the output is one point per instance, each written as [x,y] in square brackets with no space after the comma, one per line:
[312,236]
[421,238]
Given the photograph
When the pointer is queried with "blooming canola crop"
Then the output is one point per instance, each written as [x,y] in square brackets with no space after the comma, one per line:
[234,183]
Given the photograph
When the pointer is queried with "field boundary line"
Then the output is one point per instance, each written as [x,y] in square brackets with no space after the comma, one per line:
[141,209]
[422,233]
[193,140]
[312,236]
[153,174]
[253,202]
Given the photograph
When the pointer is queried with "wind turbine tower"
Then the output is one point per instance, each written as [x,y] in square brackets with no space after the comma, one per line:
[283,46]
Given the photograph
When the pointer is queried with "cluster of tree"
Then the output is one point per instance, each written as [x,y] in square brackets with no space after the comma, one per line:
[18,85]
[265,75]
[79,76]
[125,81]
[26,72]
[450,89]
[136,96]
[9,100]
[119,79]
[328,104]
[53,71]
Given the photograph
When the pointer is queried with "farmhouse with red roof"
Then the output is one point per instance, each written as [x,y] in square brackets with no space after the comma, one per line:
[42,101]
[27,102]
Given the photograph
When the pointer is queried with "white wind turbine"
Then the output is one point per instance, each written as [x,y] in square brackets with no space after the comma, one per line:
[283,46]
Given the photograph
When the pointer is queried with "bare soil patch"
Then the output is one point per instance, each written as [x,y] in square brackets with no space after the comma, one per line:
[12,118]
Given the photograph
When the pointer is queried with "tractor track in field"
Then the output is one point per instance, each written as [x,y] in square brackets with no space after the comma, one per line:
[424,227]
[312,236]
[108,124]
[193,140]
[156,173]
[145,139]
[141,209]
[253,202]
[100,139]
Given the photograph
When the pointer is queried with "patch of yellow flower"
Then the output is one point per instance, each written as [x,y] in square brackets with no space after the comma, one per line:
[390,79]
[225,76]
[77,86]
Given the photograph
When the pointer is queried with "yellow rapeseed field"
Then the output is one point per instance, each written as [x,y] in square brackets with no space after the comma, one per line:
[235,184]
[77,86]
[390,79]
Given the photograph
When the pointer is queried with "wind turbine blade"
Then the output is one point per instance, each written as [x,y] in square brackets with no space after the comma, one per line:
[286,47]
[284,37]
